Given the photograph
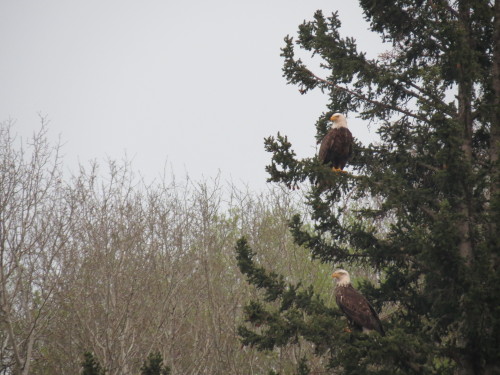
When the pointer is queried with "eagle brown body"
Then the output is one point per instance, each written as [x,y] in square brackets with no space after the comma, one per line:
[336,146]
[354,305]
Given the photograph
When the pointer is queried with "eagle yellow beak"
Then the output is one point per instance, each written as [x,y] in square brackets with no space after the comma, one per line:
[335,275]
[334,117]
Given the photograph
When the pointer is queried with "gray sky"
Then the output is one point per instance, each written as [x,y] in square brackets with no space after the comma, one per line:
[193,85]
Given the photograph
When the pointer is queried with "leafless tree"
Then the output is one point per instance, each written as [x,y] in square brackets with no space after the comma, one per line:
[104,262]
[34,224]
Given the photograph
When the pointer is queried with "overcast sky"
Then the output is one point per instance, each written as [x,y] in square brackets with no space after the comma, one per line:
[193,85]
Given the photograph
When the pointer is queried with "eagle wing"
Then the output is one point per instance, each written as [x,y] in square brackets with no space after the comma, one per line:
[357,309]
[350,139]
[326,147]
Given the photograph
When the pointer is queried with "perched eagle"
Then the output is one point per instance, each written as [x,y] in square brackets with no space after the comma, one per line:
[354,305]
[336,147]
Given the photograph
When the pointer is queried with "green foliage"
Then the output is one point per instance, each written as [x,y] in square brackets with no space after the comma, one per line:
[91,366]
[420,207]
[303,369]
[154,365]
[286,321]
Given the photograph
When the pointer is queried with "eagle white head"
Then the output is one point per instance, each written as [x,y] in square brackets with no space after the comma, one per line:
[338,121]
[342,277]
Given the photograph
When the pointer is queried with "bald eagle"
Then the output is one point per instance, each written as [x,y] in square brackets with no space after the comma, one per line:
[336,146]
[354,305]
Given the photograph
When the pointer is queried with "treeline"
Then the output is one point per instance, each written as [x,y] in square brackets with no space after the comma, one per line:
[101,262]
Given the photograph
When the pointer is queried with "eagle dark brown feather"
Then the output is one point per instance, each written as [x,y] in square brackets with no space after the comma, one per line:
[336,148]
[357,309]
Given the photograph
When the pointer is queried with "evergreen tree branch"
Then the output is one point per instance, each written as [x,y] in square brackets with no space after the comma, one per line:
[437,101]
[273,284]
[428,166]
[432,214]
[368,100]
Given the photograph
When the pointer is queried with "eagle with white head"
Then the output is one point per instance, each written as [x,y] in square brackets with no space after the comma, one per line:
[336,147]
[360,313]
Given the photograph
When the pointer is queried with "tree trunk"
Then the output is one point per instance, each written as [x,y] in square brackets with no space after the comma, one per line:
[465,210]
[466,365]
[495,124]
[465,96]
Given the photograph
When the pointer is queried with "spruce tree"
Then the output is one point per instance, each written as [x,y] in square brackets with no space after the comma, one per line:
[91,366]
[154,365]
[424,202]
